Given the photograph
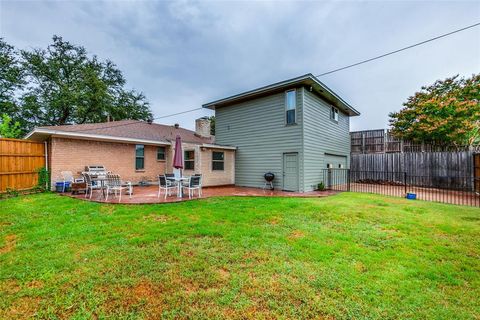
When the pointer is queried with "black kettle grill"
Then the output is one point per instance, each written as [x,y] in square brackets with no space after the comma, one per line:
[269,177]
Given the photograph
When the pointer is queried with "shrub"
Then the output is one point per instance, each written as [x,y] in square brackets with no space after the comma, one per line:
[43,179]
[321,186]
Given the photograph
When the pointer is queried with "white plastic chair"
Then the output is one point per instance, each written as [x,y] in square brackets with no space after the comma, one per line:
[114,183]
[89,186]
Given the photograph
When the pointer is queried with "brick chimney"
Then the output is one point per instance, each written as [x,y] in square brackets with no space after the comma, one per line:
[202,127]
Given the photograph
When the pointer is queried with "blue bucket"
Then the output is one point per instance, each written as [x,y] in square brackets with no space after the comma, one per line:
[411,196]
[59,186]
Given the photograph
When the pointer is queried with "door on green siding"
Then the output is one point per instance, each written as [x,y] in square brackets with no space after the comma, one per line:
[290,171]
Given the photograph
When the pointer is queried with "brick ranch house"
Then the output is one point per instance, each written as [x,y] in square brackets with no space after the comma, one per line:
[136,150]
[295,129]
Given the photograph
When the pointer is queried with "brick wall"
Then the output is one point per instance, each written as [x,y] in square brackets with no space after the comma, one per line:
[203,165]
[74,154]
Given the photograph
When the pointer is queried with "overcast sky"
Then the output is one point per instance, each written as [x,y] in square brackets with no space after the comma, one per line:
[183,54]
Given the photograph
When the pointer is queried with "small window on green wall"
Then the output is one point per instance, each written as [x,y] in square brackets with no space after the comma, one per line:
[161,153]
[139,157]
[290,106]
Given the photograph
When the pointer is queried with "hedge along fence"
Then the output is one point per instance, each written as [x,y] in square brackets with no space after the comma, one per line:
[20,163]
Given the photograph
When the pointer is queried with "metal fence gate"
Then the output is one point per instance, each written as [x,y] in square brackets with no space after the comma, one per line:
[476,172]
[461,190]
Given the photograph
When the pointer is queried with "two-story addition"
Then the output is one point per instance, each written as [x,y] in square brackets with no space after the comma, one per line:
[294,128]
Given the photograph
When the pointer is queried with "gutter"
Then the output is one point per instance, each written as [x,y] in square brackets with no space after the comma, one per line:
[216,146]
[69,134]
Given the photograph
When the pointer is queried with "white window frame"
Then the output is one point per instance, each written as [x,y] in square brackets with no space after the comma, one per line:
[138,157]
[164,153]
[189,160]
[294,108]
[334,114]
[218,161]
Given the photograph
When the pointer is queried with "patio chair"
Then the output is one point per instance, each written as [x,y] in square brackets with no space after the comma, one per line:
[165,185]
[194,183]
[114,183]
[170,176]
[67,176]
[89,185]
[201,182]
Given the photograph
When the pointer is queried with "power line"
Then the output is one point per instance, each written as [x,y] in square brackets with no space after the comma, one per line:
[331,71]
[367,60]
[399,50]
[176,114]
[126,124]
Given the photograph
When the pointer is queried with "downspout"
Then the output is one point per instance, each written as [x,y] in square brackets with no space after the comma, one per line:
[46,163]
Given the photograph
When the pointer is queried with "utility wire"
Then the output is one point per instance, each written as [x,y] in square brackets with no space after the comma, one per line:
[331,71]
[400,50]
[126,124]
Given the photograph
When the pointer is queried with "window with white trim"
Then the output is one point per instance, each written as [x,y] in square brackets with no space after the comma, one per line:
[139,157]
[189,160]
[334,114]
[218,160]
[290,106]
[161,153]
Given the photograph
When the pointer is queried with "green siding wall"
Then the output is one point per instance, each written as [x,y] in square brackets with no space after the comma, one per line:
[322,135]
[257,128]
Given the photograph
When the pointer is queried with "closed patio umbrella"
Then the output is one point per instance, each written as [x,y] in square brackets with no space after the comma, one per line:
[178,163]
[178,156]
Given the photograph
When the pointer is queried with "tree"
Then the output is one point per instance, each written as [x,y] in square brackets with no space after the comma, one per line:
[64,85]
[212,125]
[447,112]
[9,129]
[11,79]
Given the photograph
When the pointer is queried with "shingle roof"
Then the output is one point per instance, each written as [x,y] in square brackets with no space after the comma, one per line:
[134,129]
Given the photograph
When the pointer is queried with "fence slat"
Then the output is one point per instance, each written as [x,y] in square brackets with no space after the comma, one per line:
[19,162]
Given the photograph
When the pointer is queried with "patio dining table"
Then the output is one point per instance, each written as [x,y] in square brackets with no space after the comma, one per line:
[179,181]
[101,181]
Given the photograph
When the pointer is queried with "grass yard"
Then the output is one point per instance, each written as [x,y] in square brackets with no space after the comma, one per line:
[347,256]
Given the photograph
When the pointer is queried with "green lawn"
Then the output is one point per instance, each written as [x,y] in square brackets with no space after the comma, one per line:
[347,256]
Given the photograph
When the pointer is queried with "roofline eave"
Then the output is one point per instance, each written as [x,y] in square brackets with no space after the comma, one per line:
[98,137]
[262,90]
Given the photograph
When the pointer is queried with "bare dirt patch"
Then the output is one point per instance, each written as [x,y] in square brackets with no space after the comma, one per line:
[107,209]
[223,273]
[35,284]
[275,221]
[22,308]
[161,218]
[296,234]
[144,295]
[9,286]
[10,241]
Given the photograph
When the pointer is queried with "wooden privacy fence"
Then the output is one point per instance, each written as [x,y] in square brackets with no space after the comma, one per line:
[20,161]
[382,141]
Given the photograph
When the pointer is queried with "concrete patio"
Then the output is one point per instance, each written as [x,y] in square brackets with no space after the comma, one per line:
[148,194]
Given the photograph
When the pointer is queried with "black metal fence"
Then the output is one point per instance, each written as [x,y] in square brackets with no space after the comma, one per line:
[447,189]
